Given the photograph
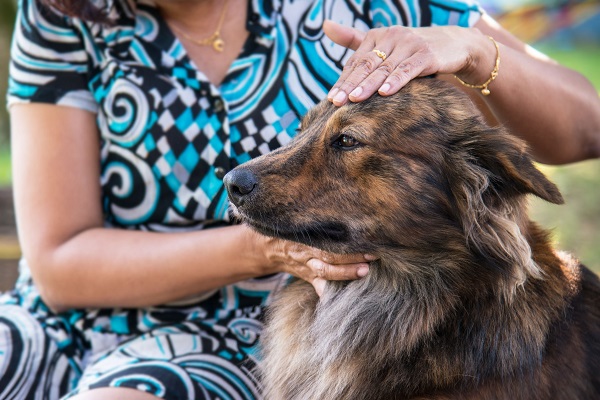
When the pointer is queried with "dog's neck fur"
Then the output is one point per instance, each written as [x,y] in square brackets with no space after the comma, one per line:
[487,337]
[432,312]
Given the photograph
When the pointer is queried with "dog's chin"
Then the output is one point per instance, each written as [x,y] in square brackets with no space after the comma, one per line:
[326,235]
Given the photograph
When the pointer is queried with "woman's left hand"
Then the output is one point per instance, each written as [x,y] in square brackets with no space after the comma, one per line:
[409,53]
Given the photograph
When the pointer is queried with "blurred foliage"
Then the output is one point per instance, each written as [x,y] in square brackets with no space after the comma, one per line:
[7,13]
[537,20]
[576,224]
[7,17]
[5,169]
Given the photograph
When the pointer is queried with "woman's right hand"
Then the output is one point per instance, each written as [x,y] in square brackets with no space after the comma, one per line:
[313,265]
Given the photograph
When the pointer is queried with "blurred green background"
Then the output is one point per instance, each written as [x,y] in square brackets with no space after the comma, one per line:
[568,31]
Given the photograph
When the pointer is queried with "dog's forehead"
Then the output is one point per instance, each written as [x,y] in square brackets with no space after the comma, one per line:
[421,103]
[326,116]
[319,115]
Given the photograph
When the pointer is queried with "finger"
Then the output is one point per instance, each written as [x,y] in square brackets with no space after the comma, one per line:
[341,259]
[400,66]
[343,272]
[374,81]
[413,67]
[359,67]
[362,43]
[343,35]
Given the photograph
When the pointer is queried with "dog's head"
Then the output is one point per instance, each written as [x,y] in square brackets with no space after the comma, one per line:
[416,170]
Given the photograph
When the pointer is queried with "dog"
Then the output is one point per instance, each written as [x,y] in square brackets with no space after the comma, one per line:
[467,299]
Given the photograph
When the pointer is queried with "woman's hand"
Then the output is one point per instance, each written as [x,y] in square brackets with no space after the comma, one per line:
[313,265]
[409,53]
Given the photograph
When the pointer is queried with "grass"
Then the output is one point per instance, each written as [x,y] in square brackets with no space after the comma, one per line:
[5,168]
[576,224]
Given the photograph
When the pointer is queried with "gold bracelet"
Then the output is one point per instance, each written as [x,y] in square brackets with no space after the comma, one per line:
[484,86]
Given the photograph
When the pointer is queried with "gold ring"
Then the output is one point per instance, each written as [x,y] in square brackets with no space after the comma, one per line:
[380,54]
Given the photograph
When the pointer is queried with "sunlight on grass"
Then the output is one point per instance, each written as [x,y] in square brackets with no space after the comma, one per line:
[5,169]
[576,224]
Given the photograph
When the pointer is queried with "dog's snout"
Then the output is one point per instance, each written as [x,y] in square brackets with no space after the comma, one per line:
[240,182]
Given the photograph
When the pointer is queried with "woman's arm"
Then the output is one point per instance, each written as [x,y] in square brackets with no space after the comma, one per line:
[552,107]
[76,263]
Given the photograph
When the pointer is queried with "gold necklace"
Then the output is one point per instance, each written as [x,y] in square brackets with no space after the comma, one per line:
[215,40]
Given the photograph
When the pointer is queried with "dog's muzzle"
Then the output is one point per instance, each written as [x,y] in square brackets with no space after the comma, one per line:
[240,183]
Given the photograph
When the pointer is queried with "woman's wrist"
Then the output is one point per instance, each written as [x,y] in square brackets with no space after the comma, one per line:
[481,60]
[256,248]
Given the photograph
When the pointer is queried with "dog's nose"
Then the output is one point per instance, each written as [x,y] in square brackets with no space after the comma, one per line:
[240,182]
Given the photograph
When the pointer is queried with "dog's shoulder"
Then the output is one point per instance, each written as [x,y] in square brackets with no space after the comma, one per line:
[576,337]
[587,303]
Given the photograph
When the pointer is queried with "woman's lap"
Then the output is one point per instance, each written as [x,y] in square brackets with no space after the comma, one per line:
[186,361]
[194,360]
[31,366]
[202,348]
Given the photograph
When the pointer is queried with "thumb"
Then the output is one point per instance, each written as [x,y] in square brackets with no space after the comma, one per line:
[343,35]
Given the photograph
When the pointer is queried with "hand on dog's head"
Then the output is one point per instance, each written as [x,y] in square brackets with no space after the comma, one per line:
[416,170]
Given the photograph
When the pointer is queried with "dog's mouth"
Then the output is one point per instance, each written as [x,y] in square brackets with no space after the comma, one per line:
[314,234]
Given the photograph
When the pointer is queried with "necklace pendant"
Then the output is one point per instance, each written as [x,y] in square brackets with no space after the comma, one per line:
[218,44]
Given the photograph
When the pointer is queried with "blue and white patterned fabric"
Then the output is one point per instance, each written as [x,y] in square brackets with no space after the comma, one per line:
[167,136]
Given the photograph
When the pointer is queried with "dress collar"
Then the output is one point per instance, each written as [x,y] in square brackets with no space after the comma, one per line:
[261,19]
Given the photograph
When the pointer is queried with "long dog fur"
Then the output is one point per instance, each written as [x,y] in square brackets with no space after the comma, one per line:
[468,300]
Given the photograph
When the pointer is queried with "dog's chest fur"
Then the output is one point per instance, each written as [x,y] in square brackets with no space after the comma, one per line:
[388,337]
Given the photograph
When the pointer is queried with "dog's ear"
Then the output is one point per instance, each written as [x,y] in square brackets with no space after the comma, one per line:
[492,173]
[511,169]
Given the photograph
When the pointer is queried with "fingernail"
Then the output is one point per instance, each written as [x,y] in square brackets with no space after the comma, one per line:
[370,257]
[356,92]
[384,88]
[340,97]
[332,93]
[362,271]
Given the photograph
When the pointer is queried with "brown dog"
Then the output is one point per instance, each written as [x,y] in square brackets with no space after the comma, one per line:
[468,300]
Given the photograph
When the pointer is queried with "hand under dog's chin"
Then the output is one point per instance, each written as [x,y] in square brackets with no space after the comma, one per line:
[327,236]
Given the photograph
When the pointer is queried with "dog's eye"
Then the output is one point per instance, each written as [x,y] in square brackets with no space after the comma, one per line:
[345,141]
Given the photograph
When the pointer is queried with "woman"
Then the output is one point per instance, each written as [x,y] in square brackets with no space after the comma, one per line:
[137,280]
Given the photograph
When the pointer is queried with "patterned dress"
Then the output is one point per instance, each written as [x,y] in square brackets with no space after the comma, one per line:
[167,138]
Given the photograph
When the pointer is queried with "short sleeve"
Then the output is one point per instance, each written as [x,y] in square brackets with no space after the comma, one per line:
[48,61]
[463,13]
[422,13]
